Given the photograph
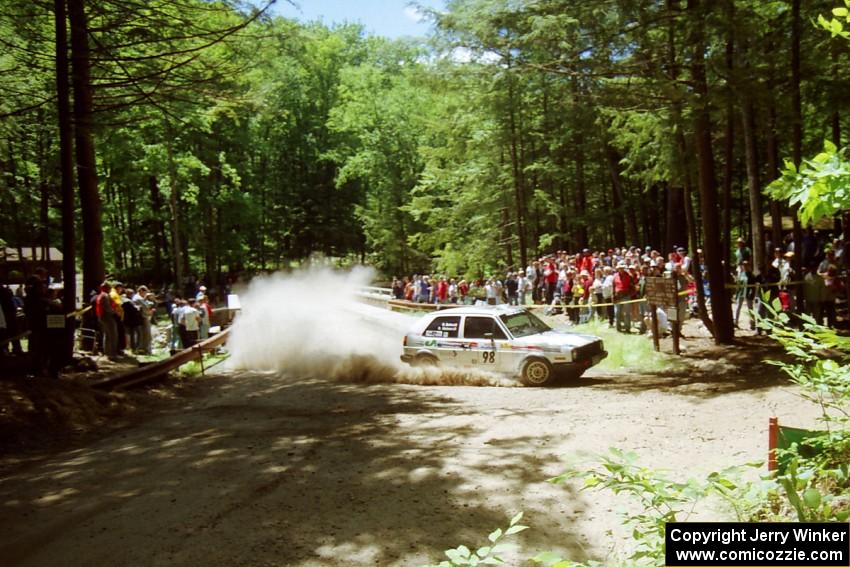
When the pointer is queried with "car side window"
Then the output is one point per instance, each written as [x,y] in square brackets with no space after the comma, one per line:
[443,327]
[478,327]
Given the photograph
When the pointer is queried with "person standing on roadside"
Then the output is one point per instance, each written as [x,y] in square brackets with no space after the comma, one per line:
[190,322]
[145,308]
[10,314]
[117,308]
[205,312]
[176,342]
[106,317]
[35,309]
[745,293]
[623,290]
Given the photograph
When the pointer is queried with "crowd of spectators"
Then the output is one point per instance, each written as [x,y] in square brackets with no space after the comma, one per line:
[605,284]
[121,321]
[125,318]
[610,284]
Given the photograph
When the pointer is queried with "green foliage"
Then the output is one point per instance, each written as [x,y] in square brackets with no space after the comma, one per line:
[816,482]
[661,499]
[820,364]
[813,491]
[489,554]
[821,187]
[835,25]
[633,353]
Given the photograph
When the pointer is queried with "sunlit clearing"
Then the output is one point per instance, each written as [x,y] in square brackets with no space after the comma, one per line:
[631,352]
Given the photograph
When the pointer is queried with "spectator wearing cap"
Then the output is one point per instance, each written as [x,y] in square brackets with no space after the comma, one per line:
[132,319]
[189,320]
[742,252]
[143,301]
[202,291]
[512,288]
[685,260]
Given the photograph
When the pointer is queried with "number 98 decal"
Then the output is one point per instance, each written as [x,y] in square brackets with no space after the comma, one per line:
[488,357]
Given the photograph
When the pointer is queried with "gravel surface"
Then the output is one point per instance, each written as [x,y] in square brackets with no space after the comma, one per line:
[265,469]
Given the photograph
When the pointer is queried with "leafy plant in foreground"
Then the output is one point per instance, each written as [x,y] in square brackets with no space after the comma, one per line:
[489,554]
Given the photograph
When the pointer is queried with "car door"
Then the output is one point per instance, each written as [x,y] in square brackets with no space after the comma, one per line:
[481,336]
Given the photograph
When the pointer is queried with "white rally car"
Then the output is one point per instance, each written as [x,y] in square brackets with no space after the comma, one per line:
[506,339]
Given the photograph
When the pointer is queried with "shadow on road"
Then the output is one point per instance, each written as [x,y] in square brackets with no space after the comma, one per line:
[260,470]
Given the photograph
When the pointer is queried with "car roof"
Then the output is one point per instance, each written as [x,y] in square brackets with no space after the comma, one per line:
[486,310]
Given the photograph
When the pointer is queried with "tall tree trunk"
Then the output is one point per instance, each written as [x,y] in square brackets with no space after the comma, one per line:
[676,233]
[94,269]
[66,171]
[687,233]
[613,159]
[773,173]
[729,134]
[751,150]
[506,236]
[160,240]
[796,138]
[720,306]
[581,193]
[174,209]
[517,172]
[835,118]
[44,220]
[652,214]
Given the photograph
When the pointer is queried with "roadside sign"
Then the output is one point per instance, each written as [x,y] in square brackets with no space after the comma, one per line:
[661,291]
[664,293]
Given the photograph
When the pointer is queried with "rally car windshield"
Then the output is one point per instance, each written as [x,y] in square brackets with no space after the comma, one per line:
[524,324]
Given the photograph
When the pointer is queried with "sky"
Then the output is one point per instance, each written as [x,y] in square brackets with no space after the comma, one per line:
[389,18]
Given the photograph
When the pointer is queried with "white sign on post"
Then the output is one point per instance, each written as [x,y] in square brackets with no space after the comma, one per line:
[233,301]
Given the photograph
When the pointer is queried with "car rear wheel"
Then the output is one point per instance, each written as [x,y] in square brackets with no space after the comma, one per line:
[424,360]
[536,372]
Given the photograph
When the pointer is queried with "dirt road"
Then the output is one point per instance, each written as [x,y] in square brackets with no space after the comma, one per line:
[264,469]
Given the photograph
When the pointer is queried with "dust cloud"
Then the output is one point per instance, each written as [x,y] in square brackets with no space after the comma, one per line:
[314,323]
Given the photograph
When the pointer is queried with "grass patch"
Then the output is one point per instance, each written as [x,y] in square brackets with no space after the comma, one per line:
[194,368]
[627,352]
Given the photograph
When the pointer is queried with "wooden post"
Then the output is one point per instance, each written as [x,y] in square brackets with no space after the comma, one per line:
[772,439]
[654,314]
[676,326]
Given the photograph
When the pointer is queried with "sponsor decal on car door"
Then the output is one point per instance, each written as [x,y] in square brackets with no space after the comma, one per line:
[442,338]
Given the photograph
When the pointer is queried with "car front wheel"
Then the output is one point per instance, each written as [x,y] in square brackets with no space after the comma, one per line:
[536,372]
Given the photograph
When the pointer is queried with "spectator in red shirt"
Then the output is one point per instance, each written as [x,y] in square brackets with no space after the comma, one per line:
[463,290]
[550,275]
[623,288]
[443,291]
[585,261]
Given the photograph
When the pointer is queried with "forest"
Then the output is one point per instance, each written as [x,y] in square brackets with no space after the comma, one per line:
[164,138]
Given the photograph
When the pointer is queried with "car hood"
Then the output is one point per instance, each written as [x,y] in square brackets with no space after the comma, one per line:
[556,338]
